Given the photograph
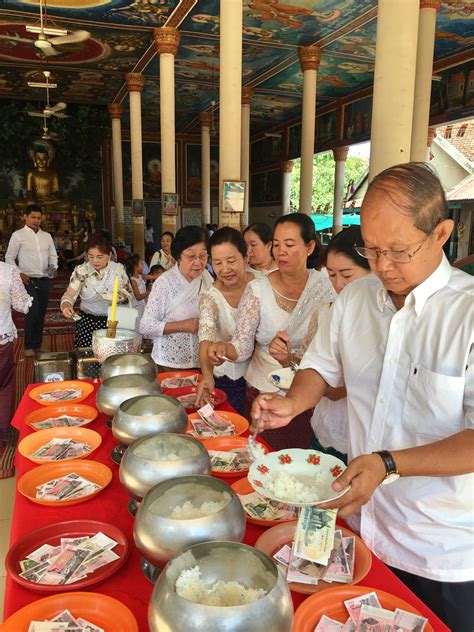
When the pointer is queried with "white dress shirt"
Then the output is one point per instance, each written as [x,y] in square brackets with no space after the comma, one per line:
[409,376]
[35,252]
[12,295]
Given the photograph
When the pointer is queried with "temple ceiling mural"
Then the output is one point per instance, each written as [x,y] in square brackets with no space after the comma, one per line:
[92,71]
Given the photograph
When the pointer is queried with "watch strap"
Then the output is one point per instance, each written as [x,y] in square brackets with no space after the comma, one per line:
[388,461]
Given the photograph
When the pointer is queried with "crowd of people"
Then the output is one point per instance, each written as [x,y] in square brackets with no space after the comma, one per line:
[378,328]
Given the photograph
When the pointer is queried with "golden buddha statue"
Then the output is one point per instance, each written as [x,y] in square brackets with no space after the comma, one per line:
[42,183]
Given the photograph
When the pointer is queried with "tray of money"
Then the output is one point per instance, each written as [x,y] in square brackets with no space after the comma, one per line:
[343,603]
[52,393]
[65,556]
[201,429]
[349,562]
[66,415]
[59,444]
[96,611]
[64,484]
[260,510]
[171,380]
[186,396]
[229,455]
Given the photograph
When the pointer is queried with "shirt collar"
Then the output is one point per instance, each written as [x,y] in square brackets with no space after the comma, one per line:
[31,230]
[422,292]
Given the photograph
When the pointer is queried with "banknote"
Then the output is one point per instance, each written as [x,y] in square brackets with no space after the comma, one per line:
[283,555]
[222,461]
[63,567]
[341,566]
[57,449]
[59,422]
[409,622]
[65,488]
[47,626]
[92,564]
[328,625]
[303,571]
[354,605]
[65,617]
[262,508]
[373,618]
[86,626]
[349,626]
[221,425]
[61,394]
[179,382]
[314,536]
[243,459]
[202,428]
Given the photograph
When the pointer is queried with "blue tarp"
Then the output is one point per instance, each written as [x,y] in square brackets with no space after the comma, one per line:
[324,222]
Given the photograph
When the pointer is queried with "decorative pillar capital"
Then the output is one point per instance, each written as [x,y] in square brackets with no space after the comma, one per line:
[247,94]
[431,136]
[115,110]
[205,119]
[167,39]
[430,4]
[310,57]
[340,153]
[287,166]
[135,81]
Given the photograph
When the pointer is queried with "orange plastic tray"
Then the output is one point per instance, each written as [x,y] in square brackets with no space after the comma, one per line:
[85,387]
[32,442]
[227,444]
[331,603]
[243,487]
[73,410]
[92,470]
[104,611]
[272,540]
[240,423]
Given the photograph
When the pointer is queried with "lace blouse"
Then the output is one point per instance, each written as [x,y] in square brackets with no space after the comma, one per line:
[12,295]
[139,305]
[217,323]
[179,350]
[161,258]
[259,317]
[89,284]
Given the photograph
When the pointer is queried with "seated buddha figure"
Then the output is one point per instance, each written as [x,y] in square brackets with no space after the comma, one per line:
[42,184]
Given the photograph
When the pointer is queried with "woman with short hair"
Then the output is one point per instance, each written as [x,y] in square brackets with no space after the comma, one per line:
[258,238]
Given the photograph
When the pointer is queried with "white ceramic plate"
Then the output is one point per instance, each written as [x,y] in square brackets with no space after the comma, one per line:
[282,378]
[314,469]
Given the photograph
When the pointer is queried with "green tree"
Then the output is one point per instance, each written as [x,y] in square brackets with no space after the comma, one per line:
[323,178]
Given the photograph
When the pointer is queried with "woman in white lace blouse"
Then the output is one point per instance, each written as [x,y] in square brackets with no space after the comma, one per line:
[258,238]
[12,295]
[218,305]
[171,316]
[282,301]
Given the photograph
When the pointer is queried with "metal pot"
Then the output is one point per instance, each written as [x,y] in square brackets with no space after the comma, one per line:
[226,561]
[144,464]
[146,415]
[125,341]
[159,537]
[115,390]
[126,364]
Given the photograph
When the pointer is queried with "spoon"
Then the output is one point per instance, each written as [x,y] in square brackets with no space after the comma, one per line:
[256,451]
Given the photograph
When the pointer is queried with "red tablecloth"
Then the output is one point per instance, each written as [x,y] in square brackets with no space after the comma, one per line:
[128,584]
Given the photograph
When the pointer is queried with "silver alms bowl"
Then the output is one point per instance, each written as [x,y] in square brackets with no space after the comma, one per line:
[226,561]
[115,390]
[125,341]
[126,364]
[159,537]
[146,415]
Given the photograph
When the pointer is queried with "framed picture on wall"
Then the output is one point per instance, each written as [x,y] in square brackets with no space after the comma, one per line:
[138,207]
[170,203]
[233,196]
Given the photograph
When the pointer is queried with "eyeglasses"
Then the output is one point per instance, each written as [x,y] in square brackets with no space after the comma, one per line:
[391,255]
[191,258]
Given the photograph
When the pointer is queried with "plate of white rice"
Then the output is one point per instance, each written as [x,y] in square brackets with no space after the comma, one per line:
[298,477]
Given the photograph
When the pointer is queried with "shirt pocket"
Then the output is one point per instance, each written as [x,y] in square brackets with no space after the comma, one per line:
[433,403]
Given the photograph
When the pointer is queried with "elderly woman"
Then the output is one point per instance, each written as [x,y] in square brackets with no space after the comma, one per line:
[164,257]
[171,316]
[218,306]
[281,302]
[93,282]
[258,238]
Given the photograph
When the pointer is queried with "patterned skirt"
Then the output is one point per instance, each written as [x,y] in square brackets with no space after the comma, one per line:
[86,327]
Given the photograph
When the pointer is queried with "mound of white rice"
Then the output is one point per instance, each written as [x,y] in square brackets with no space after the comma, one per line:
[292,488]
[187,511]
[159,450]
[190,586]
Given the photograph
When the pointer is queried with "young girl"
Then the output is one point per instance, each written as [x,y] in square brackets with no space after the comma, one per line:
[134,267]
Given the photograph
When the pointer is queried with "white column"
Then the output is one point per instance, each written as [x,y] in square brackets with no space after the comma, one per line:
[135,83]
[424,72]
[394,84]
[116,111]
[310,58]
[230,94]
[205,120]
[429,142]
[286,169]
[340,155]
[247,94]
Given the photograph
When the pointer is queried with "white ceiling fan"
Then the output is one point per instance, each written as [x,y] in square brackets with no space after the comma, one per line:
[49,110]
[50,37]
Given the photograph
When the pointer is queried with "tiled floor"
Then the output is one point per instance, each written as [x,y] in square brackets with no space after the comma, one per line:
[7,498]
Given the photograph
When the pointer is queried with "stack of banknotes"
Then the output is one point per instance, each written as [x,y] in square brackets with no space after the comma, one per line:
[59,422]
[61,395]
[65,620]
[58,449]
[234,460]
[178,382]
[211,424]
[262,508]
[66,488]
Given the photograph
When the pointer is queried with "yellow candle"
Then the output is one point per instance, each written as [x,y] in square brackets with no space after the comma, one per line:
[113,313]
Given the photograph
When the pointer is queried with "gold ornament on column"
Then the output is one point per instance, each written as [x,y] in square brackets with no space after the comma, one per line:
[135,81]
[430,4]
[167,39]
[340,153]
[247,95]
[310,57]
[287,166]
[115,110]
[205,119]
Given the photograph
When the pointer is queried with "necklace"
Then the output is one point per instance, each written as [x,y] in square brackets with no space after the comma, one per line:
[295,300]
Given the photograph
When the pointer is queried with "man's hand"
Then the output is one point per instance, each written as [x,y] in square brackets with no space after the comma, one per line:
[275,411]
[25,278]
[364,474]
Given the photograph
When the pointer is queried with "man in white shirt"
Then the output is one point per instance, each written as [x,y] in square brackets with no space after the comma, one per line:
[33,251]
[401,340]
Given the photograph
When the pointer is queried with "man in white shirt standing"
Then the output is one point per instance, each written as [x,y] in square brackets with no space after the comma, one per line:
[33,251]
[402,341]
